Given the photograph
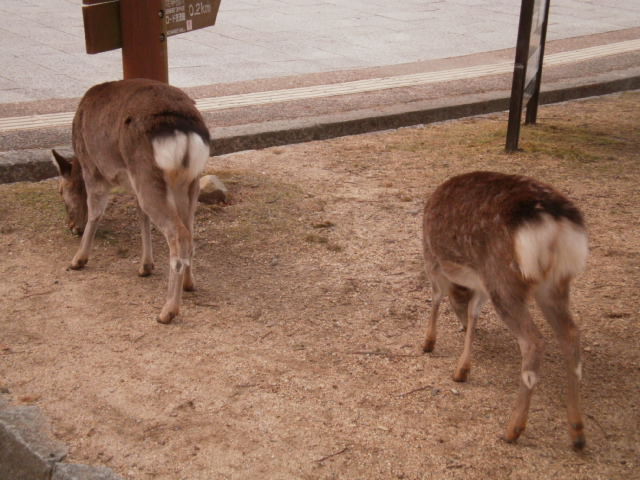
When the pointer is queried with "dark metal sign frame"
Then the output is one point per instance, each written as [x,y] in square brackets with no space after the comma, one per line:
[527,71]
[103,22]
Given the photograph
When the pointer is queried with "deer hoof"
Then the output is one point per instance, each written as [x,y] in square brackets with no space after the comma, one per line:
[78,264]
[461,375]
[512,435]
[188,285]
[168,313]
[579,443]
[428,346]
[146,269]
[577,436]
[166,318]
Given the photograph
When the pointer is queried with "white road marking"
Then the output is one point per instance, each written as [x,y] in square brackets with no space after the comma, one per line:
[48,120]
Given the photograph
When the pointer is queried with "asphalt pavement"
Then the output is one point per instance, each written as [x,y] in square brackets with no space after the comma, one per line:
[280,71]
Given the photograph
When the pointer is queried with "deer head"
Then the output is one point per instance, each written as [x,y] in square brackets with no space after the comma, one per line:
[72,190]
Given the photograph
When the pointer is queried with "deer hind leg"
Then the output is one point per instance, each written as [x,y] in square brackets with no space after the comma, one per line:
[164,214]
[512,308]
[97,201]
[187,214]
[472,312]
[553,300]
[146,259]
[179,241]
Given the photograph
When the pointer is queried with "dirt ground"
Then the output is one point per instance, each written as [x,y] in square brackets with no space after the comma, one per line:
[299,354]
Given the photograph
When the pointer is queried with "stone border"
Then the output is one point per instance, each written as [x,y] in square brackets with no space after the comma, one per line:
[270,134]
[29,452]
[35,164]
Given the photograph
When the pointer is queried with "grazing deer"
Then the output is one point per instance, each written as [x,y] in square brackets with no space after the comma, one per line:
[148,137]
[503,237]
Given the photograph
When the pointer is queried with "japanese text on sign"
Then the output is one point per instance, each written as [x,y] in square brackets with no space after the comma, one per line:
[184,15]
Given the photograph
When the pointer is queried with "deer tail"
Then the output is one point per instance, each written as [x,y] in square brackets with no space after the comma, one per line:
[551,248]
[181,152]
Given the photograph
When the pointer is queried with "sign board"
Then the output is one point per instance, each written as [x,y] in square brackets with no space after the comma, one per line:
[185,15]
[101,25]
[102,20]
[527,71]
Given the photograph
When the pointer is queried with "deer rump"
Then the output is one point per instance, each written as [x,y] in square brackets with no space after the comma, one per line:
[141,127]
[148,137]
[484,218]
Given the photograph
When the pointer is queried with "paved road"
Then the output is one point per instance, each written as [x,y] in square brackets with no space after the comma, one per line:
[43,57]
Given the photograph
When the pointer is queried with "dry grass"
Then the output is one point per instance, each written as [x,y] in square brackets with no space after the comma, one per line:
[298,356]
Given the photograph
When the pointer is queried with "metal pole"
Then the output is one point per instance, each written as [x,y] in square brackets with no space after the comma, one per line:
[144,40]
[534,101]
[519,75]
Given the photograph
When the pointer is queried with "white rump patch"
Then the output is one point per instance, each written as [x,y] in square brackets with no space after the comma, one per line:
[529,378]
[170,151]
[198,154]
[551,249]
[579,371]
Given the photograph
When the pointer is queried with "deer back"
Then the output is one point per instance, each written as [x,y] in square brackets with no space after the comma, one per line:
[503,226]
[121,126]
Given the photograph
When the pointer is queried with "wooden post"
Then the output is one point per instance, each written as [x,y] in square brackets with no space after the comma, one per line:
[144,40]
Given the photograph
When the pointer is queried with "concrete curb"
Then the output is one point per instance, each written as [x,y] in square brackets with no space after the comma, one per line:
[270,134]
[35,164]
[28,451]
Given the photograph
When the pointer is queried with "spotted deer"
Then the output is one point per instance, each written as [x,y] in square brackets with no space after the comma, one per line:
[504,238]
[149,138]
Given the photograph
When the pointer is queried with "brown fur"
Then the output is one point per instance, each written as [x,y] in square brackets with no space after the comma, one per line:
[470,223]
[113,133]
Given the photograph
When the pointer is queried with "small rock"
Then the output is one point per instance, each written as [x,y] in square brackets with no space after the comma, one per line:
[212,190]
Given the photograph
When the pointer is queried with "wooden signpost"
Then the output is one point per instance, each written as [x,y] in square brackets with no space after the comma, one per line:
[141,28]
[527,72]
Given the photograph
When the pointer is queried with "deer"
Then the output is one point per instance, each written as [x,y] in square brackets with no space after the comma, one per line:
[505,238]
[149,138]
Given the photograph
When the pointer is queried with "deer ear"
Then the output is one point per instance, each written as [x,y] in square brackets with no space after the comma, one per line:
[62,164]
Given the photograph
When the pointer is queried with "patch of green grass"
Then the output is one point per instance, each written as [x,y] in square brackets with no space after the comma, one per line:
[260,207]
[32,206]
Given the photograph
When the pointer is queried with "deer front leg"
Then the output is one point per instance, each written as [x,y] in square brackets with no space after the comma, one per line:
[146,259]
[96,203]
[459,297]
[473,311]
[430,339]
